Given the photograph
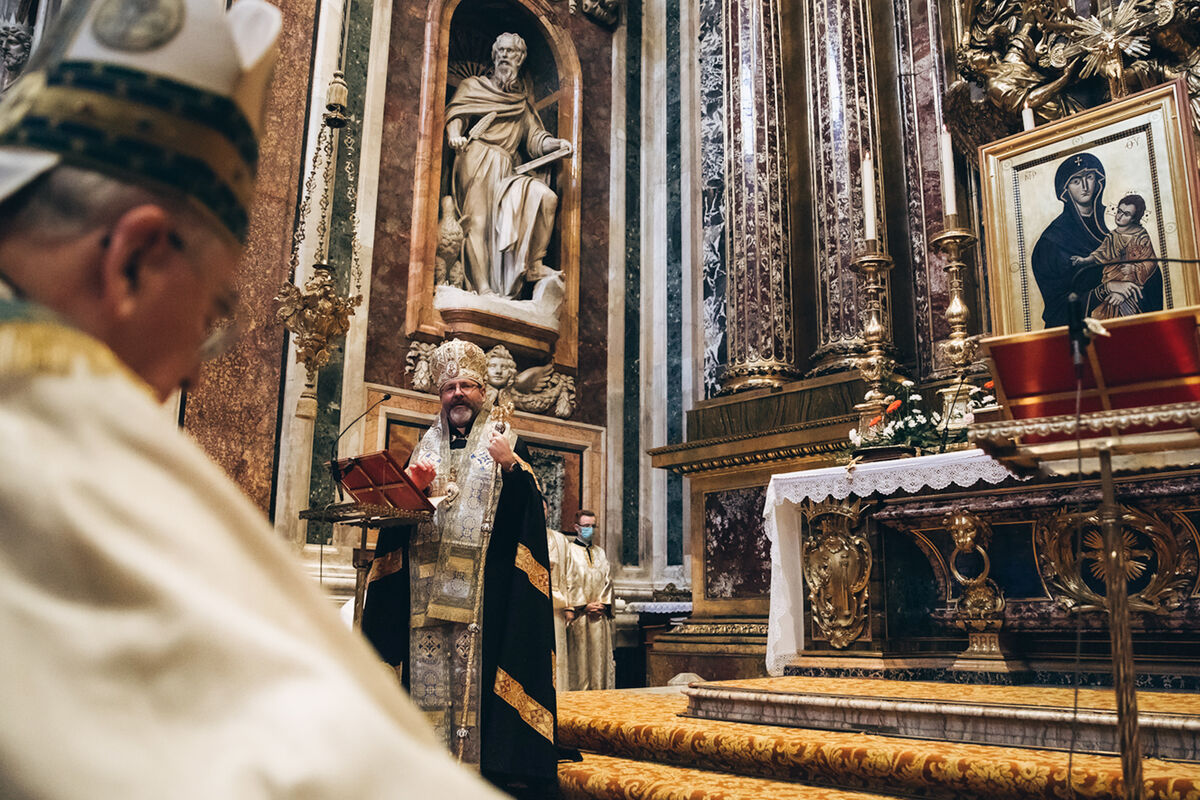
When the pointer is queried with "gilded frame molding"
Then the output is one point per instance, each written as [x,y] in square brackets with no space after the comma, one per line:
[1152,129]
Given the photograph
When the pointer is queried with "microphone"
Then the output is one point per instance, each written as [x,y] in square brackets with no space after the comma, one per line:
[1076,332]
[335,471]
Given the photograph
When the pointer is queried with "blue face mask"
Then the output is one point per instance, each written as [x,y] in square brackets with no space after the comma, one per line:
[585,532]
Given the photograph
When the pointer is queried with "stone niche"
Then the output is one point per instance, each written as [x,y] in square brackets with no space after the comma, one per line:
[540,322]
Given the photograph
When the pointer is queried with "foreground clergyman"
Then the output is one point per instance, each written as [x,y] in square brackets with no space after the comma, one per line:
[475,588]
[157,641]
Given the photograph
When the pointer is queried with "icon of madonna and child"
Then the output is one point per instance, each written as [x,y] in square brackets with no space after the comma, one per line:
[1115,270]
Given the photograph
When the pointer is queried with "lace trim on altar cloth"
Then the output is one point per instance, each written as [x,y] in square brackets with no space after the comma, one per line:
[963,468]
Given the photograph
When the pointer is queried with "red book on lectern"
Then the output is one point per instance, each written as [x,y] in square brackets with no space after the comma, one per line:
[378,479]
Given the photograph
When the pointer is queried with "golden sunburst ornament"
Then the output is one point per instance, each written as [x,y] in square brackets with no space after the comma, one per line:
[1093,551]
[1105,41]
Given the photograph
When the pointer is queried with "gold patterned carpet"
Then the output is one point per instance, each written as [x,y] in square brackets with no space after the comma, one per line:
[634,742]
[1040,696]
[609,778]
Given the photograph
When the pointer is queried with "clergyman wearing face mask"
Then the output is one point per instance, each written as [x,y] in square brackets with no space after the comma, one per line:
[589,611]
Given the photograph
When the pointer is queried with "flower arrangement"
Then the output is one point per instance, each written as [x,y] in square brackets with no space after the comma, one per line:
[905,422]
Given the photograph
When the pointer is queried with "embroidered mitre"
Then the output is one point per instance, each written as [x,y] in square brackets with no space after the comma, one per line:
[457,360]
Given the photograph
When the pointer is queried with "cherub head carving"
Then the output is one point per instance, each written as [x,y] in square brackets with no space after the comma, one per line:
[501,367]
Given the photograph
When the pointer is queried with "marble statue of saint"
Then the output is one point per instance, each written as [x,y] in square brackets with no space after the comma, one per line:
[506,213]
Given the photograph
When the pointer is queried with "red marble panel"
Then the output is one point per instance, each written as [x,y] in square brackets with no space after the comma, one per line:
[233,412]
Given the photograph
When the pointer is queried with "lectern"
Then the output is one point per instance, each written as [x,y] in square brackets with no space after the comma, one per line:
[1136,407]
[383,496]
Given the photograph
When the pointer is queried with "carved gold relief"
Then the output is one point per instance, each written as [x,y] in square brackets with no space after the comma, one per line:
[981,607]
[1044,56]
[1160,569]
[722,628]
[981,604]
[317,316]
[837,568]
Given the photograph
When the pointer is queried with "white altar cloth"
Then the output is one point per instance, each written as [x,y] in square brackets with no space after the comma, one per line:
[785,493]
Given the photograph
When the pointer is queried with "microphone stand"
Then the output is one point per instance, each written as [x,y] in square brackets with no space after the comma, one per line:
[1077,332]
[335,471]
[1115,563]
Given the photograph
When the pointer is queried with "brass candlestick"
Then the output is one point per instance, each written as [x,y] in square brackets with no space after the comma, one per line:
[876,366]
[956,242]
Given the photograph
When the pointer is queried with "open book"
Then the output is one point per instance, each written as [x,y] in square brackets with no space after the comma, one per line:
[378,479]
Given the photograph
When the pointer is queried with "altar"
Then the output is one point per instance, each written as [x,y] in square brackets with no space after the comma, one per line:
[951,567]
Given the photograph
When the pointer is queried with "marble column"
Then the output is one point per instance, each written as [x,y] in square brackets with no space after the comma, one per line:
[839,54]
[761,348]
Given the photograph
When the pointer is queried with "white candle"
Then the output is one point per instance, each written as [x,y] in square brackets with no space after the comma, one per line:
[868,191]
[1027,117]
[949,192]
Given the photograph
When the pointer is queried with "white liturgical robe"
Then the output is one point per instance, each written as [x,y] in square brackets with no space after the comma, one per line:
[558,543]
[590,636]
[158,640]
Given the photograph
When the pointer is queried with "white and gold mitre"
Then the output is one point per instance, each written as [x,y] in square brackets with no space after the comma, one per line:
[168,93]
[456,359]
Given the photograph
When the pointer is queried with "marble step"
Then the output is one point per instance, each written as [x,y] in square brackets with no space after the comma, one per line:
[1022,716]
[649,726]
[600,777]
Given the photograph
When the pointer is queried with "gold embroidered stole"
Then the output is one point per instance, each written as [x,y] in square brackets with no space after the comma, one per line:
[451,549]
[34,341]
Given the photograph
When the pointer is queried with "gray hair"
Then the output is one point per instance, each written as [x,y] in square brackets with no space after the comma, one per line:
[516,41]
[70,201]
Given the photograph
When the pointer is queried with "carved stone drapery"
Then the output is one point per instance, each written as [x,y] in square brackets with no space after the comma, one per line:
[761,337]
[540,27]
[838,62]
[836,563]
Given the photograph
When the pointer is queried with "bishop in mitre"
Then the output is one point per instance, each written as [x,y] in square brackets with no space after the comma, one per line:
[462,609]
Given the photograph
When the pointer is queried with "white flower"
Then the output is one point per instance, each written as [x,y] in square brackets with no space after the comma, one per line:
[914,397]
[907,384]
[889,399]
[968,418]
[855,439]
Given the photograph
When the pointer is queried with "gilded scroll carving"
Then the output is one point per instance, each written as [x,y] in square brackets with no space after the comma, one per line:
[1160,568]
[837,569]
[1043,55]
